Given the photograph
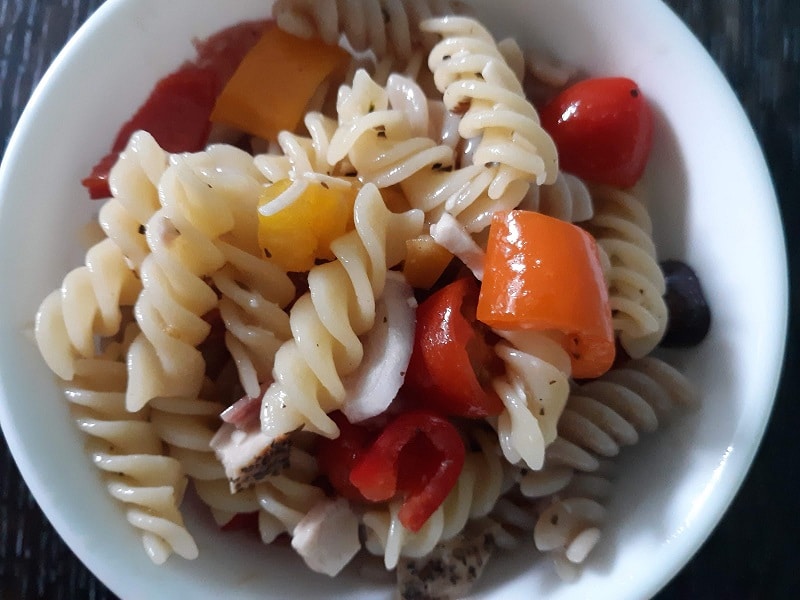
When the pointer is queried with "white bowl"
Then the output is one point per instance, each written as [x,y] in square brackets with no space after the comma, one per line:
[712,203]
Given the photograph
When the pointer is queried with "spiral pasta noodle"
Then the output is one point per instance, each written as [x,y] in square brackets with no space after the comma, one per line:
[569,526]
[86,305]
[475,79]
[284,499]
[514,517]
[127,448]
[233,174]
[503,148]
[303,156]
[606,414]
[546,76]
[134,189]
[327,321]
[186,426]
[199,204]
[253,295]
[567,198]
[600,417]
[385,27]
[623,230]
[534,391]
[482,481]
[382,143]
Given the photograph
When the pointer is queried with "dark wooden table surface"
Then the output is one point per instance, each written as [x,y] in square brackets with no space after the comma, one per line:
[755,550]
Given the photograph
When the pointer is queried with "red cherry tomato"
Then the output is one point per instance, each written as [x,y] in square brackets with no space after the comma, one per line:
[603,129]
[451,363]
[420,455]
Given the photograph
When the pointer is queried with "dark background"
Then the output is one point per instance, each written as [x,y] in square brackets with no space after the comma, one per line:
[754,552]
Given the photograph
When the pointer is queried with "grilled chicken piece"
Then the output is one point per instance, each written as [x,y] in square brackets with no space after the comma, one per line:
[327,537]
[248,455]
[448,571]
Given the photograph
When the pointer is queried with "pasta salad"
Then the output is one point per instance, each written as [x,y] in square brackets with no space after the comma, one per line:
[380,286]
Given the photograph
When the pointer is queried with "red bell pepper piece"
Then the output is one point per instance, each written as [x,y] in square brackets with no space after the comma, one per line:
[451,364]
[177,112]
[419,455]
[336,457]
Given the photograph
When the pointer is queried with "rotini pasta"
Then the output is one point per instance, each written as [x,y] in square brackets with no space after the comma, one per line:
[127,448]
[474,77]
[605,414]
[385,27]
[569,526]
[514,519]
[534,392]
[304,157]
[383,144]
[186,426]
[512,150]
[623,231]
[327,321]
[600,417]
[567,199]
[134,188]
[198,205]
[286,498]
[254,293]
[86,305]
[545,76]
[231,173]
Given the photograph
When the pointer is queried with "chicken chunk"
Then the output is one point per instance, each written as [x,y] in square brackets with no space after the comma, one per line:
[249,455]
[327,537]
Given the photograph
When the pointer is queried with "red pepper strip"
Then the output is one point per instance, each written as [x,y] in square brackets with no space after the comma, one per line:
[336,457]
[449,354]
[177,112]
[543,273]
[425,477]
[97,181]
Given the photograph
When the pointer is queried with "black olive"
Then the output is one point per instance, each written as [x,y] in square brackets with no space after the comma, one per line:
[689,315]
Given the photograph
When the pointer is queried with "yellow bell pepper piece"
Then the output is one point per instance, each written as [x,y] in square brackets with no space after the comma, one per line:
[299,234]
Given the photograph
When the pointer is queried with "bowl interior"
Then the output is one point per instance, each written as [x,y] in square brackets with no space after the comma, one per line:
[712,205]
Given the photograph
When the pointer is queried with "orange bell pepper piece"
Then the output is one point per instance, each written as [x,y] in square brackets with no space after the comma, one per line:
[545,274]
[273,84]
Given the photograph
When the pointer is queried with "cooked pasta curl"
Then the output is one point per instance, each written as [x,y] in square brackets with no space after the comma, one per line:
[327,320]
[127,448]
[201,197]
[533,391]
[384,27]
[475,79]
[623,230]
